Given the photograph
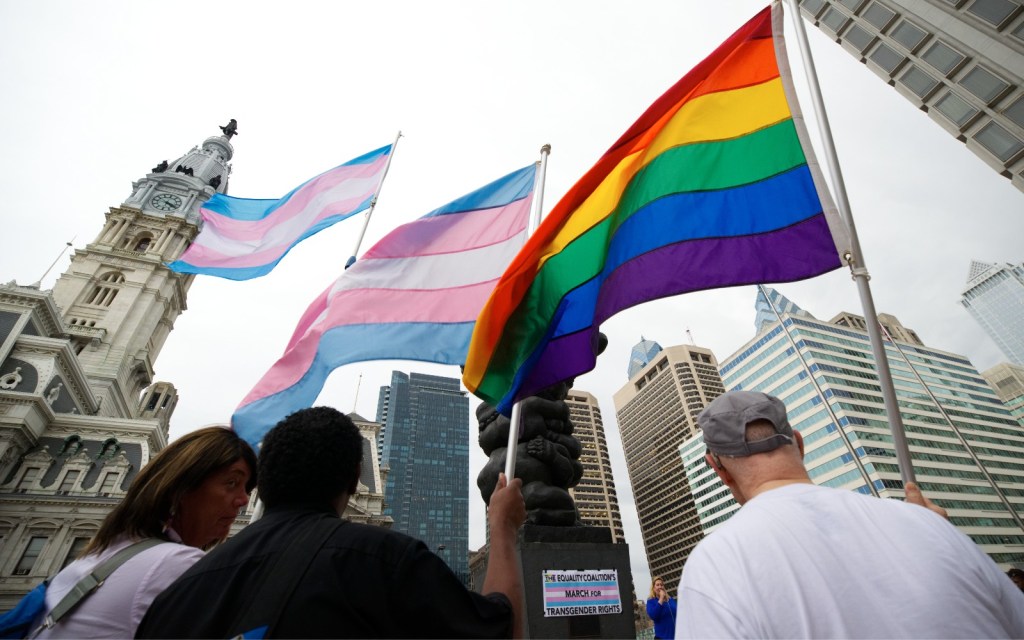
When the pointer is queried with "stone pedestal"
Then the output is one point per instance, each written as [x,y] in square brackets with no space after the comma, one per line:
[573,549]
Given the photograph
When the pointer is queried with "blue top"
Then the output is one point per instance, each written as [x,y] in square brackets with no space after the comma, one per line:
[664,617]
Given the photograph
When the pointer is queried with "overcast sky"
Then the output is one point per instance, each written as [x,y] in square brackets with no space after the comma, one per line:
[92,95]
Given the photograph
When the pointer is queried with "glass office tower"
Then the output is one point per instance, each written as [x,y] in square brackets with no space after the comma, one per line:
[994,296]
[426,450]
[971,463]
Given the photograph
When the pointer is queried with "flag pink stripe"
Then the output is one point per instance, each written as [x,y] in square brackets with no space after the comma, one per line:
[303,197]
[369,306]
[309,317]
[451,233]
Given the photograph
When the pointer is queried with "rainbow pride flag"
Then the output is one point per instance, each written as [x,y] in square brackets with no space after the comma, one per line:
[245,238]
[414,296]
[714,186]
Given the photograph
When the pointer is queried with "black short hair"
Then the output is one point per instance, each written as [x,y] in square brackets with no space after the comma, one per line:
[311,457]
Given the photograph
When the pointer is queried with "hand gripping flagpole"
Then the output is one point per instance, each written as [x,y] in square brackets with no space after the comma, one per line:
[373,203]
[515,420]
[855,258]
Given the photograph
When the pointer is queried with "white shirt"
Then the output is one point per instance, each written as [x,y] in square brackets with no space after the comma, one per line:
[802,561]
[115,609]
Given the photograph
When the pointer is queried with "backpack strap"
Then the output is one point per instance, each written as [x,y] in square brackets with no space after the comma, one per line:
[281,578]
[84,587]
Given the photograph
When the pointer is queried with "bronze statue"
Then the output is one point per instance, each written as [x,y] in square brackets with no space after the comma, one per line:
[160,168]
[547,454]
[230,129]
[215,182]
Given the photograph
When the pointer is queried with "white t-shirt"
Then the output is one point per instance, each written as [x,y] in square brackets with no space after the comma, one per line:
[803,561]
[115,609]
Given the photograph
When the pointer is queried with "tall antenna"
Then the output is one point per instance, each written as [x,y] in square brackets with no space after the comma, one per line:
[39,283]
[689,336]
[355,403]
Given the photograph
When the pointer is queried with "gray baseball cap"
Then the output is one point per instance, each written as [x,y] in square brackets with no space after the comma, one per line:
[725,421]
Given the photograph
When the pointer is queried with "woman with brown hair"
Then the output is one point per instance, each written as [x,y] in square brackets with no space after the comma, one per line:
[181,503]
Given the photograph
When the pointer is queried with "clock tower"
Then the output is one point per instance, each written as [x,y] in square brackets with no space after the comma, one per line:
[118,299]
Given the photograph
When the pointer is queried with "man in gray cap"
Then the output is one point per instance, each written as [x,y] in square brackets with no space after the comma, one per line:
[803,561]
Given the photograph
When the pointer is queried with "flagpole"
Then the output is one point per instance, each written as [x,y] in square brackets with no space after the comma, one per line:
[956,430]
[515,420]
[855,258]
[373,203]
[821,394]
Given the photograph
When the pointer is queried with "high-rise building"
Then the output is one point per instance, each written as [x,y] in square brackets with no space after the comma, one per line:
[595,494]
[711,498]
[960,61]
[966,448]
[657,411]
[1008,382]
[80,413]
[426,453]
[994,296]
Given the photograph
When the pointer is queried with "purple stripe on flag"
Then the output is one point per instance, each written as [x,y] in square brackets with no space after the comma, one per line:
[796,252]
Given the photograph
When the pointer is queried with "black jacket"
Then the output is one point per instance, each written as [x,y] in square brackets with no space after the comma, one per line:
[365,582]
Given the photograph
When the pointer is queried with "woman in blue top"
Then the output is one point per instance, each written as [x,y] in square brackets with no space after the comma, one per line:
[661,608]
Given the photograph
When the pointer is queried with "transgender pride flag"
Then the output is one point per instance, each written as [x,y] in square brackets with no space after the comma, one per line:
[244,238]
[414,296]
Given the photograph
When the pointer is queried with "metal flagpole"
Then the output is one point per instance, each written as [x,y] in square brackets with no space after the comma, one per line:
[39,283]
[963,440]
[373,203]
[516,418]
[821,394]
[855,257]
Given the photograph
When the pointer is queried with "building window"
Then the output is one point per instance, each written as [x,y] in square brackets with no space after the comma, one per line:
[879,15]
[143,244]
[28,478]
[858,37]
[813,6]
[1015,112]
[955,109]
[77,546]
[31,554]
[1018,32]
[68,483]
[852,5]
[943,57]
[983,84]
[104,292]
[885,57]
[999,142]
[994,12]
[109,484]
[908,35]
[834,19]
[918,81]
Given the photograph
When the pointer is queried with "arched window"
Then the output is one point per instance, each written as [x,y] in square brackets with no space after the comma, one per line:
[142,243]
[105,290]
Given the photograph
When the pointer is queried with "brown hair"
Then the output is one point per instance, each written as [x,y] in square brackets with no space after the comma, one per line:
[158,488]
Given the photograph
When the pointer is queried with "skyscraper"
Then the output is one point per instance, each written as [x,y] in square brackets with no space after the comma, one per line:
[81,411]
[966,447]
[994,296]
[426,453]
[595,495]
[657,411]
[960,61]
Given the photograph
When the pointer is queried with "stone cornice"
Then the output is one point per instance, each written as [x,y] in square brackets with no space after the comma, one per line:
[43,309]
[67,363]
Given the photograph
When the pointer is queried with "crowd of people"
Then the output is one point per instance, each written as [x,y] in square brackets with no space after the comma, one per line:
[796,561]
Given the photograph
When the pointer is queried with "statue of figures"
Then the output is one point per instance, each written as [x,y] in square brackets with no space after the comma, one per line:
[160,168]
[230,129]
[547,454]
[54,394]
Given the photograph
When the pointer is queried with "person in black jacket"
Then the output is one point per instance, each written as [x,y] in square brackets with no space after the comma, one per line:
[361,581]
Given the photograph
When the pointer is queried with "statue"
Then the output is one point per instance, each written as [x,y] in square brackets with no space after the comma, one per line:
[160,168]
[185,170]
[547,454]
[215,182]
[230,129]
[54,393]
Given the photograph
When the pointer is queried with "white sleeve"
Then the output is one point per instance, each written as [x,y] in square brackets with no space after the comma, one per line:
[174,561]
